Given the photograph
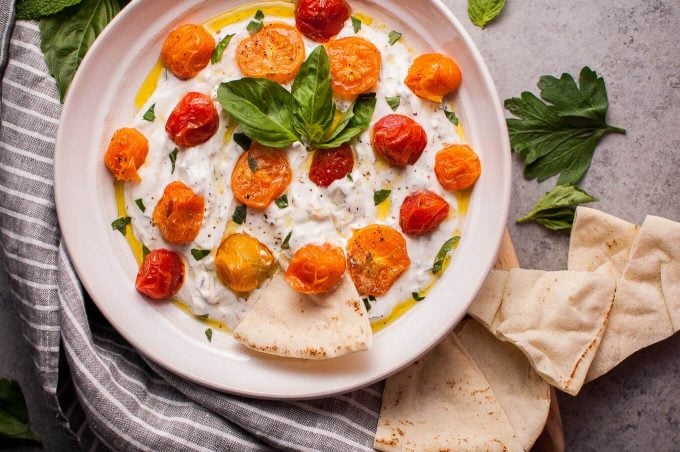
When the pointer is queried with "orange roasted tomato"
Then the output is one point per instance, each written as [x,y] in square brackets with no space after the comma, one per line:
[316,269]
[433,76]
[276,52]
[193,121]
[179,214]
[243,263]
[126,153]
[399,139]
[161,274]
[187,50]
[261,175]
[355,65]
[422,212]
[457,167]
[320,20]
[331,165]
[377,257]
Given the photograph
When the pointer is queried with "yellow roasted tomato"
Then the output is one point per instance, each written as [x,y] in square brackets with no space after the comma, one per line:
[243,263]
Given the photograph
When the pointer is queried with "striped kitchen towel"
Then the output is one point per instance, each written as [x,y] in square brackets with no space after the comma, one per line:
[105,393]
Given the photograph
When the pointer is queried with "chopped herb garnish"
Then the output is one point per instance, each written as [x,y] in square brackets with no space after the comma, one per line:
[394,37]
[140,204]
[282,202]
[252,164]
[371,297]
[219,49]
[451,117]
[239,216]
[356,24]
[393,102]
[349,177]
[443,254]
[286,242]
[173,159]
[150,114]
[120,224]
[367,304]
[208,334]
[416,296]
[380,196]
[259,15]
[199,254]
[243,140]
[145,251]
[202,317]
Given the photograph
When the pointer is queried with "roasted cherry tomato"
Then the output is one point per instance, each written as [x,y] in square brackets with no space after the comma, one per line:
[179,214]
[422,212]
[320,20]
[316,269]
[457,167]
[331,164]
[399,139]
[377,257]
[161,274]
[243,263]
[355,65]
[126,153]
[261,175]
[276,52]
[433,76]
[193,121]
[187,50]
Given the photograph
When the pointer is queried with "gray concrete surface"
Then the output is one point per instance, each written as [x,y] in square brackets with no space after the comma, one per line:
[635,45]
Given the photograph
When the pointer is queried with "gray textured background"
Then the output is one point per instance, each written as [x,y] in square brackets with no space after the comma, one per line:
[635,45]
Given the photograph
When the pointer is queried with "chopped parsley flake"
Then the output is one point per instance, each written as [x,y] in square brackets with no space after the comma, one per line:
[150,114]
[282,202]
[120,224]
[394,36]
[286,242]
[356,24]
[173,159]
[380,196]
[239,216]
[140,204]
[199,254]
[208,334]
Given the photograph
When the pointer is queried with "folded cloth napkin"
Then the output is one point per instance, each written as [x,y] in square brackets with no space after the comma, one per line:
[105,393]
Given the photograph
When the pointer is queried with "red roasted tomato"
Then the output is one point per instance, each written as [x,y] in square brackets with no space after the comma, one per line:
[320,20]
[422,212]
[399,139]
[330,165]
[161,274]
[193,121]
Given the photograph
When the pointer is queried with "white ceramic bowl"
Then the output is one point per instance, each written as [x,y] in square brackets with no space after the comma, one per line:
[101,99]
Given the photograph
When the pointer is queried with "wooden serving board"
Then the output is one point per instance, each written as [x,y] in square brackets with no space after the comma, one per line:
[552,438]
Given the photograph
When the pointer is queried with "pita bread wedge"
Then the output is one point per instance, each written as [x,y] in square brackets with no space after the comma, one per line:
[600,242]
[443,402]
[557,320]
[285,323]
[485,305]
[647,305]
[523,394]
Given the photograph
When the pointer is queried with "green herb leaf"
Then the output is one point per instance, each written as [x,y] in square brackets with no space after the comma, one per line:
[14,413]
[66,37]
[259,15]
[282,202]
[145,251]
[120,224]
[555,210]
[239,215]
[354,121]
[208,334]
[443,254]
[242,140]
[380,196]
[262,109]
[199,254]
[140,204]
[220,48]
[394,36]
[286,242]
[393,102]
[349,177]
[559,134]
[173,158]
[451,116]
[150,114]
[356,24]
[313,107]
[416,296]
[35,9]
[482,12]
[371,297]
[252,163]
[202,317]
[254,26]
[367,304]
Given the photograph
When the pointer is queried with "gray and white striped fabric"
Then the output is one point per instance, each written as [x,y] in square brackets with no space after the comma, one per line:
[99,386]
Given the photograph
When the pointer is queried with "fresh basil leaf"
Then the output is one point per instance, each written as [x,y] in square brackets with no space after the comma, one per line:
[451,116]
[14,414]
[199,254]
[416,296]
[150,114]
[482,12]
[313,106]
[282,202]
[216,56]
[393,102]
[120,224]
[394,36]
[286,242]
[173,158]
[367,304]
[349,177]
[443,253]
[208,334]
[356,24]
[380,196]
[555,210]
[252,163]
[35,9]
[239,215]
[354,123]
[262,109]
[259,15]
[66,37]
[202,317]
[242,140]
[254,26]
[140,204]
[145,251]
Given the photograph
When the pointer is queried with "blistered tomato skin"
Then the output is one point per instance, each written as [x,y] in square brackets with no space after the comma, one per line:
[126,153]
[432,76]
[355,65]
[329,165]
[193,121]
[320,20]
[179,214]
[316,269]
[422,212]
[187,50]
[276,52]
[457,167]
[161,274]
[260,176]
[243,263]
[399,139]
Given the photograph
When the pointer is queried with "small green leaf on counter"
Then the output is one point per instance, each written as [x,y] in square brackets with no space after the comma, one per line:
[416,296]
[380,196]
[216,56]
[482,12]
[173,158]
[120,224]
[282,202]
[451,116]
[394,36]
[14,414]
[393,102]
[242,140]
[252,164]
[145,251]
[208,334]
[555,210]
[150,114]
[443,253]
[367,304]
[199,254]
[356,24]
[239,215]
[286,242]
[140,204]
